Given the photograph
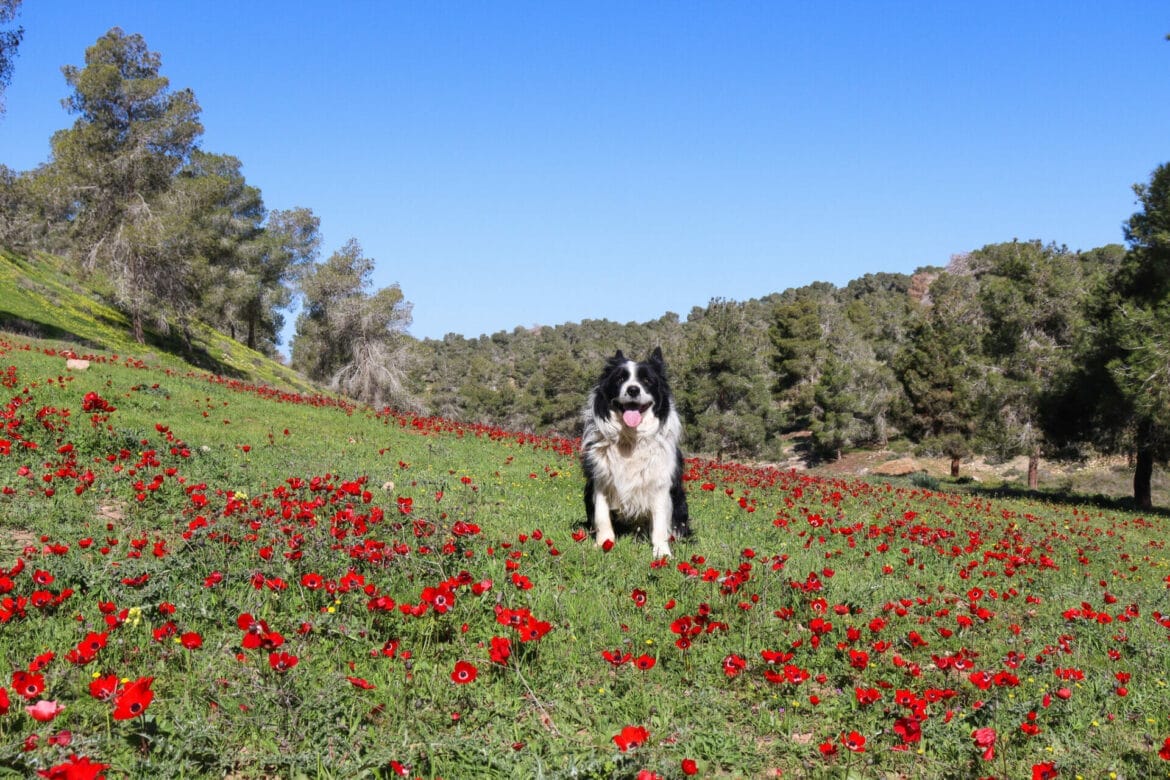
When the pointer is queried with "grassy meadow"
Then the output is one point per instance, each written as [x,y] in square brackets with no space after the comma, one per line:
[203,576]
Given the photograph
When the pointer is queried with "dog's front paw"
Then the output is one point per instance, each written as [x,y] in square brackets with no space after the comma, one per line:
[661,550]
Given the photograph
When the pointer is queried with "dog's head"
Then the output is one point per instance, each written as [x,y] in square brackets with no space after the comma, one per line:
[634,394]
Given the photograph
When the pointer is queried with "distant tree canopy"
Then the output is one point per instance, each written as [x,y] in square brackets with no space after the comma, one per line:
[958,361]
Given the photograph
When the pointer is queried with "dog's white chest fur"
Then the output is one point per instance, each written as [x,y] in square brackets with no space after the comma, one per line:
[631,468]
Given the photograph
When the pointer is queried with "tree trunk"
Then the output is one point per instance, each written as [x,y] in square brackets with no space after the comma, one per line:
[139,335]
[252,315]
[1142,474]
[954,465]
[1033,471]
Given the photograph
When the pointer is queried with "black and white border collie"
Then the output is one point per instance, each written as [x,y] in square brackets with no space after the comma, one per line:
[630,455]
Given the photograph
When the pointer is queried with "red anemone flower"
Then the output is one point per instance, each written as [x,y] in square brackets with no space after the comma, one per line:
[133,699]
[985,740]
[1044,771]
[631,737]
[733,665]
[501,649]
[909,729]
[464,673]
[282,661]
[41,661]
[854,740]
[534,629]
[44,710]
[75,768]
[867,696]
[28,684]
[616,657]
[104,688]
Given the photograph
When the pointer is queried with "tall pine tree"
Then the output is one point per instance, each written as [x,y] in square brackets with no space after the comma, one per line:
[1119,396]
[132,135]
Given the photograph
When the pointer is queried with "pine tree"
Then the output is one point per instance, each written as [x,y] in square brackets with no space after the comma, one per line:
[940,369]
[9,42]
[1032,296]
[1118,398]
[724,399]
[132,135]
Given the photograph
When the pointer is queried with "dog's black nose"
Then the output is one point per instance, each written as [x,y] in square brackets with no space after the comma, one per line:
[633,390]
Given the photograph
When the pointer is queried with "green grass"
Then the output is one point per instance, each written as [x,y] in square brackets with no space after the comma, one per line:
[47,297]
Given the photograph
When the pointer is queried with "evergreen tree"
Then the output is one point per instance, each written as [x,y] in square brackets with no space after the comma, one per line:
[796,333]
[829,377]
[564,387]
[210,215]
[1118,397]
[940,370]
[350,338]
[880,306]
[834,422]
[854,392]
[1032,296]
[724,399]
[9,42]
[132,135]
[274,260]
[487,394]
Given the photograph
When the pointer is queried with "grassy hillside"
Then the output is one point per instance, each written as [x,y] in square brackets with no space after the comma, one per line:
[201,575]
[44,297]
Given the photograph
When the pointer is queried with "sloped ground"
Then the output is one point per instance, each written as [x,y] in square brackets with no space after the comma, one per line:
[1101,479]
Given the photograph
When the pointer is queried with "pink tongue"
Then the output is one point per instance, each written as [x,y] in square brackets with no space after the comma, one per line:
[632,417]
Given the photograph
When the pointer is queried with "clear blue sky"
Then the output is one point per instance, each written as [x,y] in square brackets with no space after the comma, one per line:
[521,163]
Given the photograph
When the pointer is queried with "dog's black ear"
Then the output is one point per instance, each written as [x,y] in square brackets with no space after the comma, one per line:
[656,358]
[612,365]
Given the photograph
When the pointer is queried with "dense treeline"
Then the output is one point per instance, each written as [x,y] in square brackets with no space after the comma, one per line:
[1017,348]
[952,358]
